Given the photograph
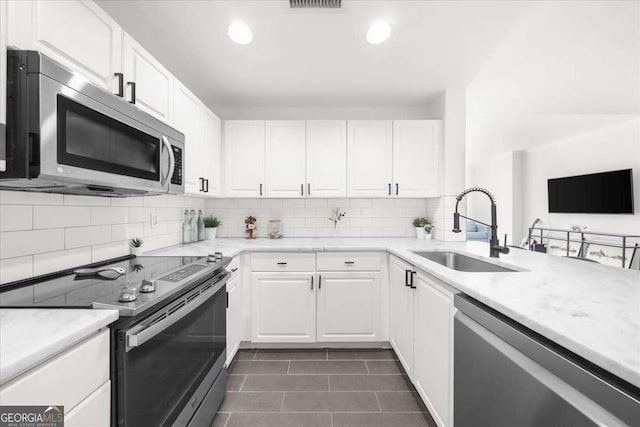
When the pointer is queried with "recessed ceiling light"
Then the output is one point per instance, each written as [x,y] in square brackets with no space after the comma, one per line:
[240,33]
[378,32]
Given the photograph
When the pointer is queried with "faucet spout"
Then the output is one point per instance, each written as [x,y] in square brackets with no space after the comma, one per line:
[494,244]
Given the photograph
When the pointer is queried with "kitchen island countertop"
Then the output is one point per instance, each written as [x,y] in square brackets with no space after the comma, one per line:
[591,309]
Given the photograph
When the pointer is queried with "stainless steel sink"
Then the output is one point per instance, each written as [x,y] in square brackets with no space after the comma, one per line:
[459,262]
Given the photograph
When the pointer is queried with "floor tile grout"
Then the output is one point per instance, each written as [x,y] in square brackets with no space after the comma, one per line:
[378,400]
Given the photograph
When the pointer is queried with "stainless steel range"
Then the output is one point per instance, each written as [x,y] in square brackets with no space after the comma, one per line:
[169,345]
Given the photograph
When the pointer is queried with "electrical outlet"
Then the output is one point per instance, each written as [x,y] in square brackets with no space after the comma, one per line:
[154,220]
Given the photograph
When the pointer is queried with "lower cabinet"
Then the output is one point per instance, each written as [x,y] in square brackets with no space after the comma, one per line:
[93,411]
[401,312]
[234,316]
[433,348]
[349,307]
[283,307]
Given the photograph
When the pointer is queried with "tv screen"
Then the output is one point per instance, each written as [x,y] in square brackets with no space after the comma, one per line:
[598,193]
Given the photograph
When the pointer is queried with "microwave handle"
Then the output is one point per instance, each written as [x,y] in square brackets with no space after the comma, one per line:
[172,160]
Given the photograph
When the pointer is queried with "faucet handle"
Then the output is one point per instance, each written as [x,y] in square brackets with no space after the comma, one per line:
[505,240]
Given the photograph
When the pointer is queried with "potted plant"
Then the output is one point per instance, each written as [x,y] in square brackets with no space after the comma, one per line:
[428,228]
[419,224]
[211,224]
[136,246]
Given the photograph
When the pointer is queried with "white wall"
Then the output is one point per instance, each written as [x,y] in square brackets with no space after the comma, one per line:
[42,233]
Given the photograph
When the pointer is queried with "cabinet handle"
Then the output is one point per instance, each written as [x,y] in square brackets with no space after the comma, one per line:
[413,273]
[282,263]
[349,262]
[120,77]
[396,188]
[133,92]
[302,189]
[261,189]
[389,188]
[308,189]
[406,278]
[311,282]
[207,187]
[319,282]
[201,183]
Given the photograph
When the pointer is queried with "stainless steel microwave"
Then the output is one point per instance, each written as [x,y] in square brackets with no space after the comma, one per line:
[65,135]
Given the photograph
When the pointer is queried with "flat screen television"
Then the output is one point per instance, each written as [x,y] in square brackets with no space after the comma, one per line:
[597,193]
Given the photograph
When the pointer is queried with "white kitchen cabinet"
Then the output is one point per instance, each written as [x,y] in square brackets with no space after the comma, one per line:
[433,348]
[285,158]
[78,34]
[210,157]
[401,312]
[349,307]
[94,411]
[188,120]
[369,152]
[416,157]
[326,158]
[283,307]
[244,148]
[3,81]
[234,314]
[153,82]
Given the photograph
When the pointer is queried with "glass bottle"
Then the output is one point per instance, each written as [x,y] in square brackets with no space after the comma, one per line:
[186,228]
[194,226]
[200,226]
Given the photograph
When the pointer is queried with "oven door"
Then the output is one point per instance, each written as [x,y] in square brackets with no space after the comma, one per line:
[162,361]
[84,141]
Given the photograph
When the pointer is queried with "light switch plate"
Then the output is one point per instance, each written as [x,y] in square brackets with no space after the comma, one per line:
[154,220]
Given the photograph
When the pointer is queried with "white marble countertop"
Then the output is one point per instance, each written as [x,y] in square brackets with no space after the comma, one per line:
[29,337]
[591,309]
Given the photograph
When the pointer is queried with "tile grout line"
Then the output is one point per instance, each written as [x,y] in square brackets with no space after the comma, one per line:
[282,403]
[378,400]
[366,365]
[244,381]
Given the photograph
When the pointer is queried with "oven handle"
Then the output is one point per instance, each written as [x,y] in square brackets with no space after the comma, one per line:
[172,160]
[136,339]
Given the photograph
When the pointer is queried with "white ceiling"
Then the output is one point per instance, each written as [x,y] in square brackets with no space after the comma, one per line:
[319,58]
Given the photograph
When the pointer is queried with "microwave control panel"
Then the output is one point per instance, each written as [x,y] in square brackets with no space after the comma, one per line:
[176,178]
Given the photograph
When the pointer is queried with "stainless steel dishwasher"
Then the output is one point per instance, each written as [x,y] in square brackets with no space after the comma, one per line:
[506,375]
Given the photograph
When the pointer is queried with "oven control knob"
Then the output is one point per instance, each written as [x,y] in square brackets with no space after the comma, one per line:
[147,286]
[128,295]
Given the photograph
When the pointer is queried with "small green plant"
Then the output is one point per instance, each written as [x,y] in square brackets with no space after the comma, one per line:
[136,243]
[428,228]
[420,222]
[211,222]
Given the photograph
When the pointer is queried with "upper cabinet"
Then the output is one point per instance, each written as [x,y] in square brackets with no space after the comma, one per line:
[416,157]
[77,34]
[148,80]
[244,147]
[211,156]
[370,147]
[326,158]
[285,158]
[188,120]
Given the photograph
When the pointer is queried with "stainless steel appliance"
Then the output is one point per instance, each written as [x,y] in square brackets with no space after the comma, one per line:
[169,345]
[506,375]
[65,135]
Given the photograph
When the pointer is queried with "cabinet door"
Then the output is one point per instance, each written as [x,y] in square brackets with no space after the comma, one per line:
[433,363]
[188,120]
[211,157]
[244,158]
[415,158]
[154,83]
[285,158]
[369,147]
[284,307]
[326,158]
[401,324]
[349,307]
[78,34]
[94,411]
[234,317]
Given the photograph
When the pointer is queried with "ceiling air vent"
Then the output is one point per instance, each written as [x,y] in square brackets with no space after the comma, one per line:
[315,4]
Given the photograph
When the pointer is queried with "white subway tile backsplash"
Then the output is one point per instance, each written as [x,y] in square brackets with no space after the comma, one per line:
[76,237]
[61,216]
[59,260]
[16,217]
[71,200]
[109,250]
[27,198]
[16,268]
[315,203]
[154,201]
[121,232]
[360,203]
[383,203]
[109,215]
[140,214]
[18,243]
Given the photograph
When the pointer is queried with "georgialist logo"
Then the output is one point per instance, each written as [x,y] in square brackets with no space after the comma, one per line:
[32,416]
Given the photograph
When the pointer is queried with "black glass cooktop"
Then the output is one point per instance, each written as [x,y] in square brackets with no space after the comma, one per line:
[70,290]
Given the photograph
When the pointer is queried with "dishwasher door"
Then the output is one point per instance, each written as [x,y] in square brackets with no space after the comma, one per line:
[504,377]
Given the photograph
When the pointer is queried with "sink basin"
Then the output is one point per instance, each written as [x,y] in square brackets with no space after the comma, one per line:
[459,262]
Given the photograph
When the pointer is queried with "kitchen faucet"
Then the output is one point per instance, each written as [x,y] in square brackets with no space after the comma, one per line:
[494,244]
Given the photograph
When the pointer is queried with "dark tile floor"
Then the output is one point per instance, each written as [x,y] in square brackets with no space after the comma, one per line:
[320,388]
